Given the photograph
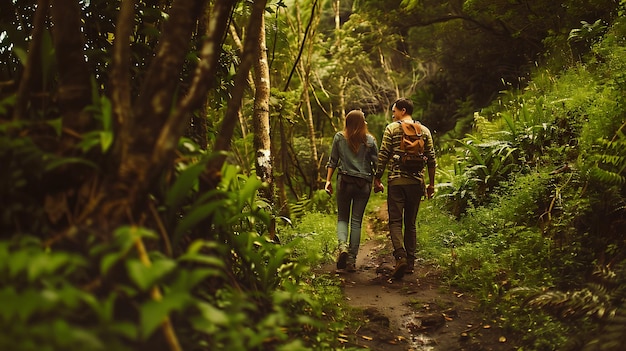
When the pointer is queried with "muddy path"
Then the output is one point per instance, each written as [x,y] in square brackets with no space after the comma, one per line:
[416,313]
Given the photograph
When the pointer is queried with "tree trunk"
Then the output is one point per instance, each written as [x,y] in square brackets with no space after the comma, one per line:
[261,121]
[283,172]
[137,138]
[342,80]
[32,71]
[305,77]
[239,44]
[120,73]
[74,90]
[223,140]
[311,130]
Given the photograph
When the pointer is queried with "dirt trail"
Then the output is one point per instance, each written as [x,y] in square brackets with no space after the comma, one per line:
[416,313]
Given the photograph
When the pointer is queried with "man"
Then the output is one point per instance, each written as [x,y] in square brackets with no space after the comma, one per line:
[406,187]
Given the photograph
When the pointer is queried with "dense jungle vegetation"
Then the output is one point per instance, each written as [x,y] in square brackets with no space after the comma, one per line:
[162,161]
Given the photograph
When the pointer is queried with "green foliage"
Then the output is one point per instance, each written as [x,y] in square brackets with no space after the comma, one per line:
[557,213]
[314,237]
[596,314]
[234,290]
[611,164]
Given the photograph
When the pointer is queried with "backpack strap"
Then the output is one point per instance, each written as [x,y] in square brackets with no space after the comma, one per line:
[414,128]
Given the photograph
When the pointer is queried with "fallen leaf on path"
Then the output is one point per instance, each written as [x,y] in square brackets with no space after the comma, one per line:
[502,339]
[368,338]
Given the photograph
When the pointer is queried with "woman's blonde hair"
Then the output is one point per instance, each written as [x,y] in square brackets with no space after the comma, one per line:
[355,129]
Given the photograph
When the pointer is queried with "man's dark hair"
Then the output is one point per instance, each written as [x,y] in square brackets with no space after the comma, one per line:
[406,104]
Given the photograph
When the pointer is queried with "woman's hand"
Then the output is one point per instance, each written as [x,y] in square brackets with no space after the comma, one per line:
[378,185]
[329,187]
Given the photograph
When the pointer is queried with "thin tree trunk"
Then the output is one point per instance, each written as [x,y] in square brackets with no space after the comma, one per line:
[311,130]
[261,121]
[342,80]
[283,172]
[27,83]
[74,91]
[305,71]
[336,8]
[239,44]
[223,141]
[120,73]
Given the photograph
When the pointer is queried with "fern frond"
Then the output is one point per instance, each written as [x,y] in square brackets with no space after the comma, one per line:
[602,303]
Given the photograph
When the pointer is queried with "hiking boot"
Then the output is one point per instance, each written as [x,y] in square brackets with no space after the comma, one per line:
[351,267]
[410,268]
[342,260]
[400,268]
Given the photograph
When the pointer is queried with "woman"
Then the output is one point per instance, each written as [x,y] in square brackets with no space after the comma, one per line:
[353,155]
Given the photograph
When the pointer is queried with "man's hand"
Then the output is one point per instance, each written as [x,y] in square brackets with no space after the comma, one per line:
[430,190]
[329,187]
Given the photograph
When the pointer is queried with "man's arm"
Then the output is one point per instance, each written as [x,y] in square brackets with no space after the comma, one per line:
[430,190]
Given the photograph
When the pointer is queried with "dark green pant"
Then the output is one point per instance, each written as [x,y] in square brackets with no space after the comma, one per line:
[403,202]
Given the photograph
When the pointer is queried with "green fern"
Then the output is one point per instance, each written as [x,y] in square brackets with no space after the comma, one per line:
[601,306]
[610,166]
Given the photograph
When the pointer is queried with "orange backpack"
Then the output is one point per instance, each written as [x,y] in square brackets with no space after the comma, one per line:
[412,158]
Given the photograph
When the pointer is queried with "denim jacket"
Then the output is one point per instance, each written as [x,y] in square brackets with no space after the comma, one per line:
[362,164]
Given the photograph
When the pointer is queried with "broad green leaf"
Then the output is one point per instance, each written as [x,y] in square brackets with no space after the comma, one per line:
[146,277]
[188,280]
[153,313]
[202,258]
[47,264]
[109,260]
[106,140]
[213,314]
[21,54]
[69,160]
[126,329]
[127,235]
[196,216]
[183,184]
[247,193]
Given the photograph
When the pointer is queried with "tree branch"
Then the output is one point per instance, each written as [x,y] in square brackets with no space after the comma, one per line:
[203,80]
[222,143]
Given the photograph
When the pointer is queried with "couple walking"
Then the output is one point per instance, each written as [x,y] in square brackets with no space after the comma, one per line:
[360,165]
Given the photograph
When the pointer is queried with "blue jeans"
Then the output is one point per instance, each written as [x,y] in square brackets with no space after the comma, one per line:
[403,202]
[351,202]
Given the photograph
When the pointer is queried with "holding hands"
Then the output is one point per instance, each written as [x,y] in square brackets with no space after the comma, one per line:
[378,185]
